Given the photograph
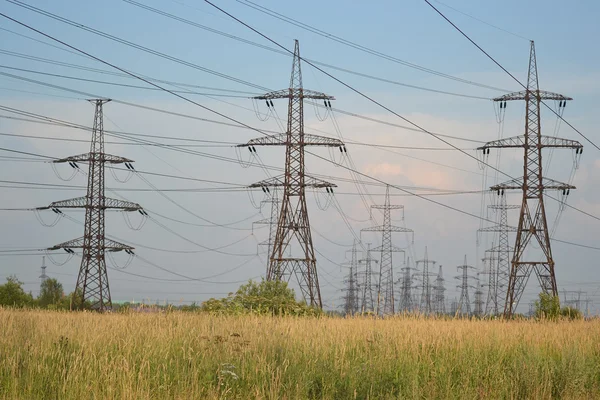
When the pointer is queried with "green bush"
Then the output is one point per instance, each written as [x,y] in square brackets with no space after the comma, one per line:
[266,297]
[548,307]
[13,295]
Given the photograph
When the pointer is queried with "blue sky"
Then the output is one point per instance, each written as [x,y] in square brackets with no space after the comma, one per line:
[567,58]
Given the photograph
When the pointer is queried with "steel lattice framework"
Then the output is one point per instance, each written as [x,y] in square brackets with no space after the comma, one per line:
[498,260]
[385,293]
[426,304]
[439,289]
[351,298]
[92,289]
[273,203]
[464,302]
[367,291]
[532,220]
[406,281]
[293,228]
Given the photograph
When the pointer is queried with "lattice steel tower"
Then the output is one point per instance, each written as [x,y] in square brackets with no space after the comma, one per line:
[426,304]
[273,204]
[439,297]
[351,298]
[293,228]
[92,289]
[464,302]
[385,293]
[406,285]
[499,257]
[532,220]
[368,292]
[43,276]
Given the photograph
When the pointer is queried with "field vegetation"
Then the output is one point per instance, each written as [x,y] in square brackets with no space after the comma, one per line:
[46,354]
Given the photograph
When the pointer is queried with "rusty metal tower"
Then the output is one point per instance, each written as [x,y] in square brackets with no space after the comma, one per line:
[426,303]
[92,289]
[293,229]
[385,293]
[499,256]
[533,226]
[368,291]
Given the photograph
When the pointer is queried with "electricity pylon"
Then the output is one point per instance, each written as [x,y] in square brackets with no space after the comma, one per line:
[92,289]
[426,304]
[464,303]
[273,203]
[499,265]
[293,228]
[385,292]
[532,220]
[43,276]
[368,292]
[406,284]
[352,290]
[478,302]
[439,289]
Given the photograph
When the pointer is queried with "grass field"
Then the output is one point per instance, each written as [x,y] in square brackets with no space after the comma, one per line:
[53,355]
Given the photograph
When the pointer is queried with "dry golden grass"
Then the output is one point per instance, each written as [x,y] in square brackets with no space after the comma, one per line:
[54,355]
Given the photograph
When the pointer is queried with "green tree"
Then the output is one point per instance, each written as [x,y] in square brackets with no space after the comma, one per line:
[265,297]
[51,293]
[13,295]
[547,306]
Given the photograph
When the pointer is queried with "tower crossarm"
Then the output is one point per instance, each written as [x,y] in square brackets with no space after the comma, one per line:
[110,245]
[294,93]
[389,206]
[97,157]
[392,248]
[545,142]
[282,139]
[541,94]
[547,183]
[279,181]
[498,228]
[82,202]
[391,228]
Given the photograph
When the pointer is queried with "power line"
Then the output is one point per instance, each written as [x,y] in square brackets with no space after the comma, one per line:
[358,46]
[511,75]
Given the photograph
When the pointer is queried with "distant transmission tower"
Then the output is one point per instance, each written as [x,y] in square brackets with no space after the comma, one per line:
[478,302]
[439,289]
[385,294]
[273,204]
[406,284]
[351,298]
[464,302]
[427,266]
[43,276]
[92,282]
[498,261]
[532,220]
[293,228]
[368,289]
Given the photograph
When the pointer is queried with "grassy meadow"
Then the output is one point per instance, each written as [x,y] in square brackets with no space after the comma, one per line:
[60,355]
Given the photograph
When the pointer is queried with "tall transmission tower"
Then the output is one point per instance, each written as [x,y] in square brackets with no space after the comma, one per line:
[427,266]
[368,289]
[385,293]
[293,228]
[43,276]
[464,302]
[439,289]
[532,220]
[498,261]
[273,204]
[478,302]
[406,284]
[351,298]
[92,289]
